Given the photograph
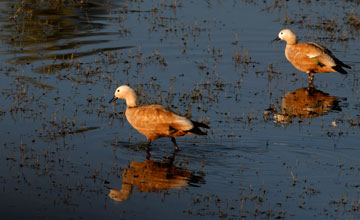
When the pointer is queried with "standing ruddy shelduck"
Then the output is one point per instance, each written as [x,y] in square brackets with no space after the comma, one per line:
[310,57]
[154,121]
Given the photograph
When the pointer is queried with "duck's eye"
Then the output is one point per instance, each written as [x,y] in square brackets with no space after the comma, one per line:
[118,90]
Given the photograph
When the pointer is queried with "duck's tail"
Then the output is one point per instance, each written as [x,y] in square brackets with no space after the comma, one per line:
[339,66]
[196,129]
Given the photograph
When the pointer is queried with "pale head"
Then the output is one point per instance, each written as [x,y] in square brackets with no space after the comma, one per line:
[288,36]
[125,92]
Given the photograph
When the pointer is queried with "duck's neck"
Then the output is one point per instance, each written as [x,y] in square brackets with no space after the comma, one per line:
[291,41]
[131,99]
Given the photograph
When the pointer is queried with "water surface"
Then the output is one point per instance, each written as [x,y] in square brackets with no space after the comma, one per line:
[67,153]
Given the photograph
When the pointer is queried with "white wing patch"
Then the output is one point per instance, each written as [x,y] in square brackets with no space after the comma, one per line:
[312,55]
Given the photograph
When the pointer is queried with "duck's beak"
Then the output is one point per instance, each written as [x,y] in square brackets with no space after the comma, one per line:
[113,99]
[276,39]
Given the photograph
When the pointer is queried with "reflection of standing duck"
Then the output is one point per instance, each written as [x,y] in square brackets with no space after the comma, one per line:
[151,176]
[306,103]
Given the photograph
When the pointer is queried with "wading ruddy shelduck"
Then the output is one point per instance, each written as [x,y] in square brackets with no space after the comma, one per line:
[155,121]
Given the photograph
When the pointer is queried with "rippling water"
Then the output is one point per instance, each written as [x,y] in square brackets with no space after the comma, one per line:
[275,149]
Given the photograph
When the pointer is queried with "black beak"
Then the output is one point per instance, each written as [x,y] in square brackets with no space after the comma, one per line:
[276,39]
[113,99]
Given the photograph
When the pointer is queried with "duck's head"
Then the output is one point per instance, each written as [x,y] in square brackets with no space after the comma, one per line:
[286,35]
[125,92]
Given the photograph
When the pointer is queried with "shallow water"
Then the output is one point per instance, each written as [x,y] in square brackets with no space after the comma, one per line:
[67,153]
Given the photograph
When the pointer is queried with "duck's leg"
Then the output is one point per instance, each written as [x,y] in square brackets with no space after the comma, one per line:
[174,142]
[311,87]
[148,155]
[311,78]
[170,159]
[147,145]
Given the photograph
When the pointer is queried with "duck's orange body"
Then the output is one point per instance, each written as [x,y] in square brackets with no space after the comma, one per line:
[154,121]
[310,57]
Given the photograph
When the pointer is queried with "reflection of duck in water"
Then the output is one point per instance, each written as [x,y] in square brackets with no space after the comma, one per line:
[306,103]
[152,176]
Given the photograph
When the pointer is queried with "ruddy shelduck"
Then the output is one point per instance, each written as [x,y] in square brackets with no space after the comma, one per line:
[310,57]
[155,121]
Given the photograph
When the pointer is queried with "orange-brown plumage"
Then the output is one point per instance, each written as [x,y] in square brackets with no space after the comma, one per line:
[155,121]
[310,57]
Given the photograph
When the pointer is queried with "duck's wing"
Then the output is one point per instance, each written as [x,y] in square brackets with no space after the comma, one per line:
[323,55]
[157,117]
[319,54]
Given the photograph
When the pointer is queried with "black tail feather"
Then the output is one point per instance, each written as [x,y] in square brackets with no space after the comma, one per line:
[346,66]
[196,129]
[340,69]
[199,124]
[340,64]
